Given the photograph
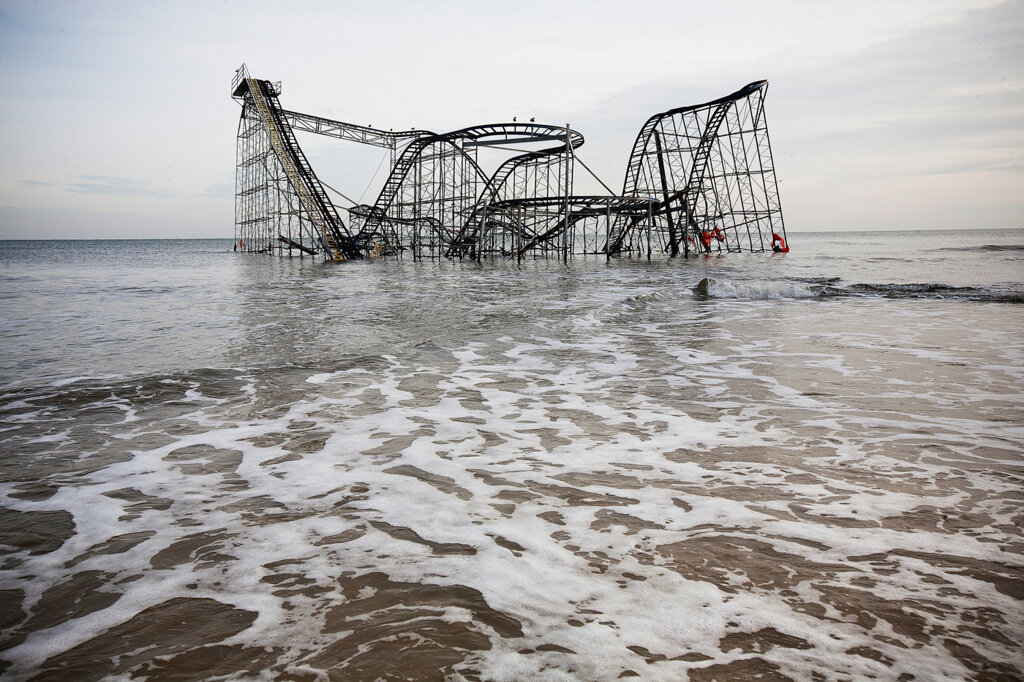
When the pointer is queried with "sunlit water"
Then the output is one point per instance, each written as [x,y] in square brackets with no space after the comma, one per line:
[804,466]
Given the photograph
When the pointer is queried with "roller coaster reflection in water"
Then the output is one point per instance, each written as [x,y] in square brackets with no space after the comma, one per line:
[700,179]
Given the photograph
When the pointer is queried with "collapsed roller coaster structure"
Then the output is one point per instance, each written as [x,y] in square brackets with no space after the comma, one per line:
[699,179]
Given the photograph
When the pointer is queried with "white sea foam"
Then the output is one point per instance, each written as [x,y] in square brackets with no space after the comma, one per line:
[66,381]
[650,485]
[710,287]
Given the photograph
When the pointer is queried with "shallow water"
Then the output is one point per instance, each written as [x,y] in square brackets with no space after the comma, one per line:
[801,467]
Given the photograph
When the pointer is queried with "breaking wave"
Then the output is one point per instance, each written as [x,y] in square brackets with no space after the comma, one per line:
[711,288]
[985,247]
[928,290]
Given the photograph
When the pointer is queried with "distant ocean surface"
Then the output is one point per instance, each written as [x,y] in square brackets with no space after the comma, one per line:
[800,466]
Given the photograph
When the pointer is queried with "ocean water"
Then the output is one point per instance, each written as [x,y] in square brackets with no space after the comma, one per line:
[800,466]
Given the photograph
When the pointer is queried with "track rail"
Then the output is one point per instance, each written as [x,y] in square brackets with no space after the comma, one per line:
[674,200]
[261,95]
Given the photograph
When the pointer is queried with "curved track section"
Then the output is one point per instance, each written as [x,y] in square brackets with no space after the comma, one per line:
[412,192]
[433,182]
[502,184]
[710,166]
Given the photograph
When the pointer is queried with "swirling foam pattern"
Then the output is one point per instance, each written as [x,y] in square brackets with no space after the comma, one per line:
[642,483]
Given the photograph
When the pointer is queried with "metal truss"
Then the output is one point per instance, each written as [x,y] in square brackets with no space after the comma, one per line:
[350,131]
[259,102]
[699,178]
[560,226]
[711,166]
[265,205]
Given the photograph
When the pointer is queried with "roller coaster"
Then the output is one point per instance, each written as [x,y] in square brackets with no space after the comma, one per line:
[700,179]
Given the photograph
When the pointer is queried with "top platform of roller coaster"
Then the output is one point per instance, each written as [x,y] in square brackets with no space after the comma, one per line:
[693,171]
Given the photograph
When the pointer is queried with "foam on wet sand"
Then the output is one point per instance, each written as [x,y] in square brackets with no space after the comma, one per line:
[626,492]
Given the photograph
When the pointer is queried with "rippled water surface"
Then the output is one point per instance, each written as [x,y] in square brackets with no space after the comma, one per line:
[804,466]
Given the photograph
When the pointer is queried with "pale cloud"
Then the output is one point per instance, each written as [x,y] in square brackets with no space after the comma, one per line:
[101,184]
[122,107]
[219,190]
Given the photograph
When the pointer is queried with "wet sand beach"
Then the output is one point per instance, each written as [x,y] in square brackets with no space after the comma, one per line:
[782,468]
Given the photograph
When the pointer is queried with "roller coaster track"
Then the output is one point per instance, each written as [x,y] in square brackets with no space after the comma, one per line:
[636,159]
[509,133]
[618,230]
[691,168]
[469,232]
[377,215]
[687,196]
[350,131]
[695,183]
[334,235]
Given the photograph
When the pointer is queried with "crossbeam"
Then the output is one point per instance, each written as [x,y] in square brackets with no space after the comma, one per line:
[350,131]
[513,140]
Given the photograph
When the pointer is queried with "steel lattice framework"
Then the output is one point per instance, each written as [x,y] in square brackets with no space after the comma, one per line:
[699,178]
[711,166]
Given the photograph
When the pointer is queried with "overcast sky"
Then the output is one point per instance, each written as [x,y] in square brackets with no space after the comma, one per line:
[117,121]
